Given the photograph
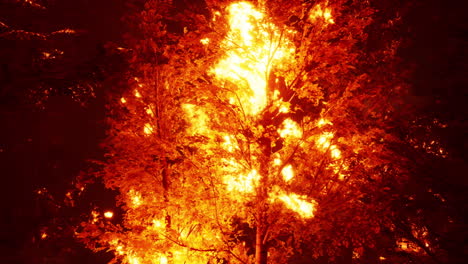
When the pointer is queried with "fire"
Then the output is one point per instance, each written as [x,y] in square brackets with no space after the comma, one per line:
[299,204]
[135,198]
[287,173]
[205,41]
[123,100]
[290,128]
[242,183]
[252,49]
[137,94]
[108,214]
[198,120]
[322,13]
[148,129]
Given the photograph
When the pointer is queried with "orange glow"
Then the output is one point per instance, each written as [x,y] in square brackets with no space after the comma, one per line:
[108,214]
[137,94]
[253,48]
[242,183]
[148,129]
[228,143]
[299,204]
[149,110]
[324,140]
[163,260]
[322,13]
[44,235]
[123,100]
[205,41]
[335,152]
[290,128]
[198,120]
[135,198]
[287,173]
[95,217]
[322,122]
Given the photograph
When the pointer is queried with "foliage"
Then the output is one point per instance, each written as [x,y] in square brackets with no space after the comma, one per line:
[195,162]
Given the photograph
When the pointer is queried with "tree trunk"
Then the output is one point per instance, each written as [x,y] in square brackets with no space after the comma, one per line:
[260,250]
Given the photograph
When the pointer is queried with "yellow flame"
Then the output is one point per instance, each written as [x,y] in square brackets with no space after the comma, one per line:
[133,260]
[324,140]
[335,152]
[322,122]
[137,94]
[253,48]
[123,100]
[205,41]
[135,198]
[163,260]
[198,120]
[290,128]
[148,129]
[228,144]
[287,173]
[323,13]
[108,214]
[299,204]
[242,183]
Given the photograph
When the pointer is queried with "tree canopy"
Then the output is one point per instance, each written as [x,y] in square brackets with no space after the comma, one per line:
[259,132]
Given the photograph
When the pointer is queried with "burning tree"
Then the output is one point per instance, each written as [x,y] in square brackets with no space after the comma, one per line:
[249,133]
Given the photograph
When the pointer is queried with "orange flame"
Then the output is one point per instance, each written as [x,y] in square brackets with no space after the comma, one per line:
[253,48]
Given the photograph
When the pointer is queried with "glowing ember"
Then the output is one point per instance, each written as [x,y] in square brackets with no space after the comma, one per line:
[44,235]
[135,198]
[290,128]
[322,122]
[205,41]
[163,260]
[242,183]
[149,111]
[148,129]
[335,152]
[324,140]
[123,100]
[137,94]
[299,204]
[287,173]
[198,120]
[322,13]
[108,214]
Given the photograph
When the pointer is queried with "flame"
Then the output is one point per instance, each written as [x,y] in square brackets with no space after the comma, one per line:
[108,214]
[198,120]
[299,204]
[322,122]
[253,48]
[243,183]
[205,41]
[287,173]
[149,110]
[135,198]
[148,129]
[323,13]
[137,94]
[123,100]
[290,128]
[163,260]
[228,144]
[323,141]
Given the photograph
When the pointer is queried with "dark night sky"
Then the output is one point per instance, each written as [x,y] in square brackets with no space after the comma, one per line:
[47,147]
